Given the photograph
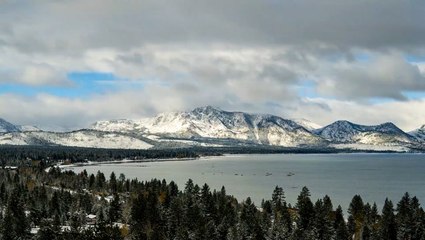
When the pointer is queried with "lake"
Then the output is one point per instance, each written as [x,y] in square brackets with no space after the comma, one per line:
[341,176]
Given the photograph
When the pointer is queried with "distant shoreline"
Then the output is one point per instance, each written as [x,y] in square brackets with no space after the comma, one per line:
[91,163]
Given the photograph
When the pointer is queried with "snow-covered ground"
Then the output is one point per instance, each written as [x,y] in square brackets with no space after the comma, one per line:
[370,147]
[88,139]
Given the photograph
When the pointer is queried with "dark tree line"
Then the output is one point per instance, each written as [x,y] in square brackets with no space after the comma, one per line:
[47,155]
[36,204]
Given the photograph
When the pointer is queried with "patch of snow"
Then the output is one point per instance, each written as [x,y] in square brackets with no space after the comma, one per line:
[210,122]
[370,147]
[28,128]
[419,134]
[93,140]
[13,139]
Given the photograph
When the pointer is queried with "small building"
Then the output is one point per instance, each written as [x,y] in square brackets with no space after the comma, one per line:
[91,219]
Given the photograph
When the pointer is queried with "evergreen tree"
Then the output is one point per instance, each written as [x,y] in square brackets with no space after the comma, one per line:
[15,223]
[114,212]
[341,231]
[322,223]
[100,180]
[305,227]
[418,220]
[356,217]
[46,231]
[138,217]
[92,181]
[388,222]
[404,218]
[251,226]
[374,219]
[113,185]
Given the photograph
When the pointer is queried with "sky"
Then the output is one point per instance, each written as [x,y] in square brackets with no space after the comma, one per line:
[66,64]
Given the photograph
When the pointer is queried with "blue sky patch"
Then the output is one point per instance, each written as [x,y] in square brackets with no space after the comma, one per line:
[414,95]
[307,88]
[91,76]
[415,58]
[83,84]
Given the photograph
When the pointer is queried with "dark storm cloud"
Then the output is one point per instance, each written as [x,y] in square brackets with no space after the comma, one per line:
[71,25]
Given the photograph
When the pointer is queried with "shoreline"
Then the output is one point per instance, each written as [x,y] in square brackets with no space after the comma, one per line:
[123,161]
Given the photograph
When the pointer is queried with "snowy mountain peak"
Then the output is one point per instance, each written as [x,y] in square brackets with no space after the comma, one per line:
[389,127]
[6,127]
[213,123]
[348,132]
[206,109]
[211,126]
[344,123]
[419,133]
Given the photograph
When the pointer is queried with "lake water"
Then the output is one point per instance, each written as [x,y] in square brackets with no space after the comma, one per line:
[341,176]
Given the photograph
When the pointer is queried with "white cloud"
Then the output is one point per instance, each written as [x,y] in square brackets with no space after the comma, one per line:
[407,114]
[239,55]
[385,76]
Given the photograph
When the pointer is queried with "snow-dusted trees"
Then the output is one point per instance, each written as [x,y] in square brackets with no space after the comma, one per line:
[65,205]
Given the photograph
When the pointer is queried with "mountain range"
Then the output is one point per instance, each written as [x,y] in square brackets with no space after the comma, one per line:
[210,126]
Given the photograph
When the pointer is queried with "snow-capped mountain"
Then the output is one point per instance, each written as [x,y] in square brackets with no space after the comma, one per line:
[348,132]
[7,127]
[81,138]
[28,128]
[419,133]
[210,122]
[213,127]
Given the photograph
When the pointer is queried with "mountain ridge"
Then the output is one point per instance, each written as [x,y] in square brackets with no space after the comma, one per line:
[214,127]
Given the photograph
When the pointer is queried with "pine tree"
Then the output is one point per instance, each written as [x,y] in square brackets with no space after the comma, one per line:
[357,217]
[322,223]
[7,229]
[15,223]
[404,218]
[100,180]
[47,231]
[251,221]
[3,194]
[418,220]
[305,226]
[113,185]
[341,231]
[138,217]
[374,219]
[388,222]
[114,212]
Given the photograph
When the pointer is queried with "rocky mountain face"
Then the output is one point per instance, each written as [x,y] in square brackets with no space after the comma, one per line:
[347,132]
[209,126]
[210,122]
[7,127]
[419,134]
[81,138]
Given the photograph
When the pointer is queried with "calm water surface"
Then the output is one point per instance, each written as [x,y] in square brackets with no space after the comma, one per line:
[341,176]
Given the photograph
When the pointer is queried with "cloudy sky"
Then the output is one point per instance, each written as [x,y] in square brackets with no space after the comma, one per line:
[65,64]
